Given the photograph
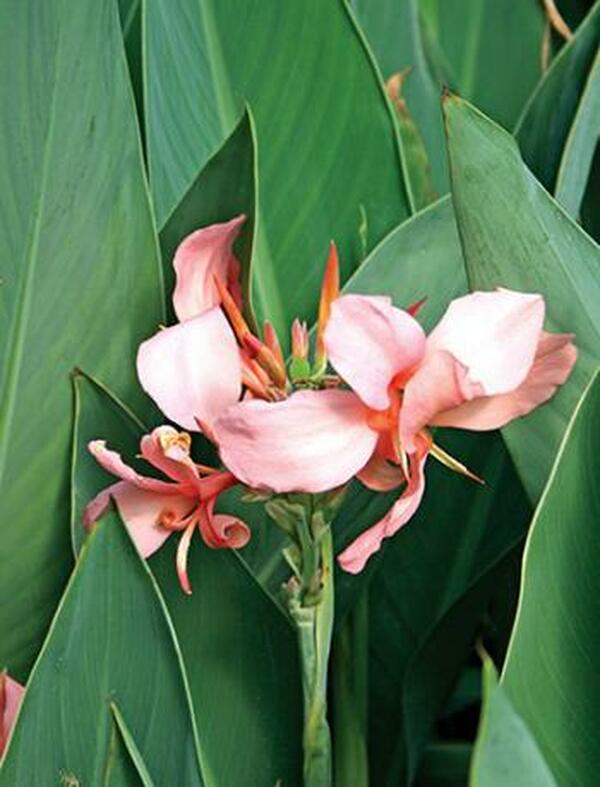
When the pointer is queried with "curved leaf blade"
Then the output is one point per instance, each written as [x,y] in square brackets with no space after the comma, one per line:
[77,252]
[97,651]
[550,673]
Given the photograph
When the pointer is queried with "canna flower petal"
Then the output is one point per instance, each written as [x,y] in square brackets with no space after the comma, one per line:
[484,345]
[202,256]
[354,558]
[192,370]
[380,475]
[143,512]
[11,695]
[221,531]
[111,462]
[313,441]
[554,360]
[369,342]
[169,451]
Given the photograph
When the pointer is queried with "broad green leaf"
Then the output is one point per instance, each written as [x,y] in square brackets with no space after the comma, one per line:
[515,235]
[111,641]
[551,674]
[506,752]
[241,656]
[225,188]
[239,650]
[81,280]
[98,415]
[490,50]
[581,143]
[328,157]
[130,14]
[437,578]
[544,127]
[393,29]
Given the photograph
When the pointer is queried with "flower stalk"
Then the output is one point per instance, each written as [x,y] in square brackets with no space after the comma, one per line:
[309,596]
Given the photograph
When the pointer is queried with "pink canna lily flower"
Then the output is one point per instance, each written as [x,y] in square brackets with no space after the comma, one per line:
[487,362]
[11,695]
[154,509]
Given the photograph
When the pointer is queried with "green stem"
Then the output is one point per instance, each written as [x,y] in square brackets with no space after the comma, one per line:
[314,623]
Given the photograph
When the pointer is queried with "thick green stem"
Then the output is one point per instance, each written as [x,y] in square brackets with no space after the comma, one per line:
[314,622]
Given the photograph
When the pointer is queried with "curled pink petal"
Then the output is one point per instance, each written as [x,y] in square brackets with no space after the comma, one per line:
[111,461]
[369,342]
[223,531]
[11,695]
[202,256]
[313,441]
[554,360]
[150,517]
[485,344]
[98,506]
[380,475]
[169,451]
[494,335]
[353,559]
[192,370]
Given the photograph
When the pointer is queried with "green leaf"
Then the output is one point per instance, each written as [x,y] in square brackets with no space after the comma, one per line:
[328,158]
[515,235]
[81,281]
[581,143]
[490,50]
[98,415]
[551,674]
[558,130]
[543,128]
[241,656]
[505,751]
[394,32]
[111,641]
[437,578]
[239,649]
[226,187]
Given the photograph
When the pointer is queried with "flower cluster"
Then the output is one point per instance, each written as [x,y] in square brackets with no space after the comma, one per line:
[362,408]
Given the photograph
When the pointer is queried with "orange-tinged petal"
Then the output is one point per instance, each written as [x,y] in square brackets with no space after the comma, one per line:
[330,290]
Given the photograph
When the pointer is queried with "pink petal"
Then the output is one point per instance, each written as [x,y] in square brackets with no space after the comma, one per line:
[10,702]
[223,531]
[142,511]
[192,370]
[369,342]
[111,461]
[313,441]
[555,357]
[484,344]
[494,335]
[200,257]
[355,556]
[379,475]
[169,451]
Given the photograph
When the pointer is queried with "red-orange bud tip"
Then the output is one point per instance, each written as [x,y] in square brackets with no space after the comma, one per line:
[330,290]
[414,308]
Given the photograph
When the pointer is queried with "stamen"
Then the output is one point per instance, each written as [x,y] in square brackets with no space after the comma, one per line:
[449,461]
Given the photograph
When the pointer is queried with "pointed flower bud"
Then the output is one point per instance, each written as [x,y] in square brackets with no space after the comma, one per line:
[330,290]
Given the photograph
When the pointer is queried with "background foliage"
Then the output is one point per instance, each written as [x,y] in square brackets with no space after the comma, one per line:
[130,125]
